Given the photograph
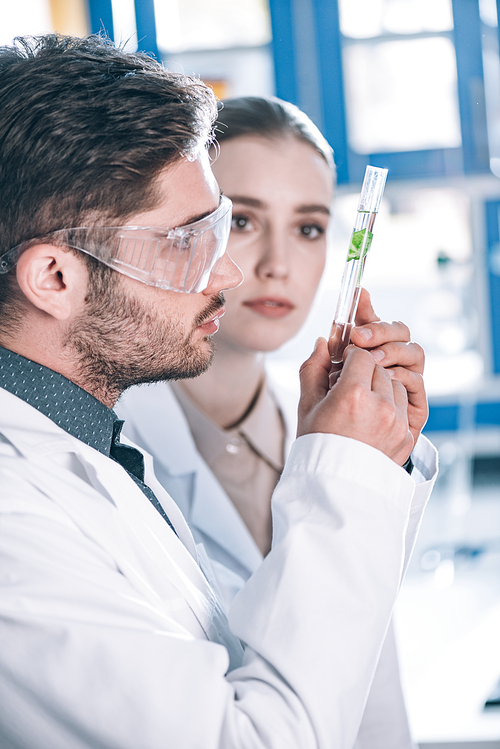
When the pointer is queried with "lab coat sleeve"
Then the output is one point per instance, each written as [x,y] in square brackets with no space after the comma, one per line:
[92,664]
[322,599]
[385,723]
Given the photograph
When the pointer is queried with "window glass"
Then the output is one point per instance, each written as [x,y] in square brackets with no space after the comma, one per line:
[491,71]
[360,19]
[420,270]
[488,12]
[218,24]
[402,95]
[124,28]
[31,17]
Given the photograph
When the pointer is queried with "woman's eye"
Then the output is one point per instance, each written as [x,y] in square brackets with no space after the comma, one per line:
[311,231]
[241,222]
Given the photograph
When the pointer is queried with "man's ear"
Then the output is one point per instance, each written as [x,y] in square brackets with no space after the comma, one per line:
[53,279]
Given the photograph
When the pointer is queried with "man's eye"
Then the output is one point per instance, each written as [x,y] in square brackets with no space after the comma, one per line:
[311,231]
[183,243]
[240,222]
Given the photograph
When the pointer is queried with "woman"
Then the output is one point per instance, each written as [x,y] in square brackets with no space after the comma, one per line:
[228,431]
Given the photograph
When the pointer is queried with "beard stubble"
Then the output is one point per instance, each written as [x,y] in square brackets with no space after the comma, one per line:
[118,342]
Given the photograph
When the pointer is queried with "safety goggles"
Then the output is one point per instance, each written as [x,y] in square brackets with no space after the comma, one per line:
[180,259]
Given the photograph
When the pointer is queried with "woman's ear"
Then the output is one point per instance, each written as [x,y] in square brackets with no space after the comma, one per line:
[53,279]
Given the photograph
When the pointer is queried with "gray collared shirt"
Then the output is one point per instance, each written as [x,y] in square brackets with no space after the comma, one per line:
[66,404]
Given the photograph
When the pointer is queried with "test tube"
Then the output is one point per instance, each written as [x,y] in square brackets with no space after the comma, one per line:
[361,239]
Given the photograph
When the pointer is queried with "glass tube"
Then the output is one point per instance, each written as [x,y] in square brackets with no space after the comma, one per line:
[359,245]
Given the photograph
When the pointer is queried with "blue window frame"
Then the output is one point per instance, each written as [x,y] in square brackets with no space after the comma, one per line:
[307,45]
[493,276]
[308,56]
[101,20]
[101,17]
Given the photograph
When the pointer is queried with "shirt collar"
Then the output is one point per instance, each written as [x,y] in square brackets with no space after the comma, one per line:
[66,404]
[262,428]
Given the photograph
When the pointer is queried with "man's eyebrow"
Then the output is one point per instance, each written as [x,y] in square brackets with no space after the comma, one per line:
[199,216]
[255,203]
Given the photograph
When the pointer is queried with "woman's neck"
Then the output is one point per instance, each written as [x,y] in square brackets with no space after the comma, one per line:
[226,390]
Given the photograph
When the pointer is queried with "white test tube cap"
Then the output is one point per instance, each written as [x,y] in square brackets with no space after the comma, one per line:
[372,190]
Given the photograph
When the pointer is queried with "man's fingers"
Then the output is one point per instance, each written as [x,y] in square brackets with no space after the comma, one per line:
[366,403]
[418,408]
[408,436]
[410,355]
[365,312]
[314,377]
[400,396]
[378,333]
[382,384]
[357,370]
[413,383]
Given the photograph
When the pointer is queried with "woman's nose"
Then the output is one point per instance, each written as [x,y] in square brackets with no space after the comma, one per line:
[273,261]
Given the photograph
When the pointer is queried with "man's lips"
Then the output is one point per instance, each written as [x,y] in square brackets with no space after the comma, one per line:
[268,306]
[211,325]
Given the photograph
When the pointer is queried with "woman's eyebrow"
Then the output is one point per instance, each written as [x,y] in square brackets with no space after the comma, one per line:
[255,203]
[314,208]
[252,202]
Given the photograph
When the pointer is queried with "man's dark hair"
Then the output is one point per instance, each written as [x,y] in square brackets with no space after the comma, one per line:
[85,128]
[269,117]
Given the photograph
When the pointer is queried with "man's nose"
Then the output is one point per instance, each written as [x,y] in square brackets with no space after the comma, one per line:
[225,275]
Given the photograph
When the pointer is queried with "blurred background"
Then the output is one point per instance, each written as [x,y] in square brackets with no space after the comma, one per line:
[414,86]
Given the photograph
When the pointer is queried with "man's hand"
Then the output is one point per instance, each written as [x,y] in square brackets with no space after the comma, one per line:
[366,403]
[390,345]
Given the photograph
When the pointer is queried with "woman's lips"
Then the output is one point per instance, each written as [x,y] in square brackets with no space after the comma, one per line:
[270,306]
[211,326]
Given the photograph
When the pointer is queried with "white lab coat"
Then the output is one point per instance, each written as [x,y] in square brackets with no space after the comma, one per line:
[111,634]
[155,421]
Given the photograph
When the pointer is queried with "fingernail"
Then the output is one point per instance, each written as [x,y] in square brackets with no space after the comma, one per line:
[365,333]
[378,355]
[316,343]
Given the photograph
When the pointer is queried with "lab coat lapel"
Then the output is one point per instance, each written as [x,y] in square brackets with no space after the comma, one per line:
[208,509]
[133,529]
[214,515]
[168,553]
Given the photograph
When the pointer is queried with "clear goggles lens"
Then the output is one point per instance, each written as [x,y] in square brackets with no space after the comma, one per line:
[180,259]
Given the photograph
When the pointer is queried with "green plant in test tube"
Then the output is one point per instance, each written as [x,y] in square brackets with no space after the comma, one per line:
[359,245]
